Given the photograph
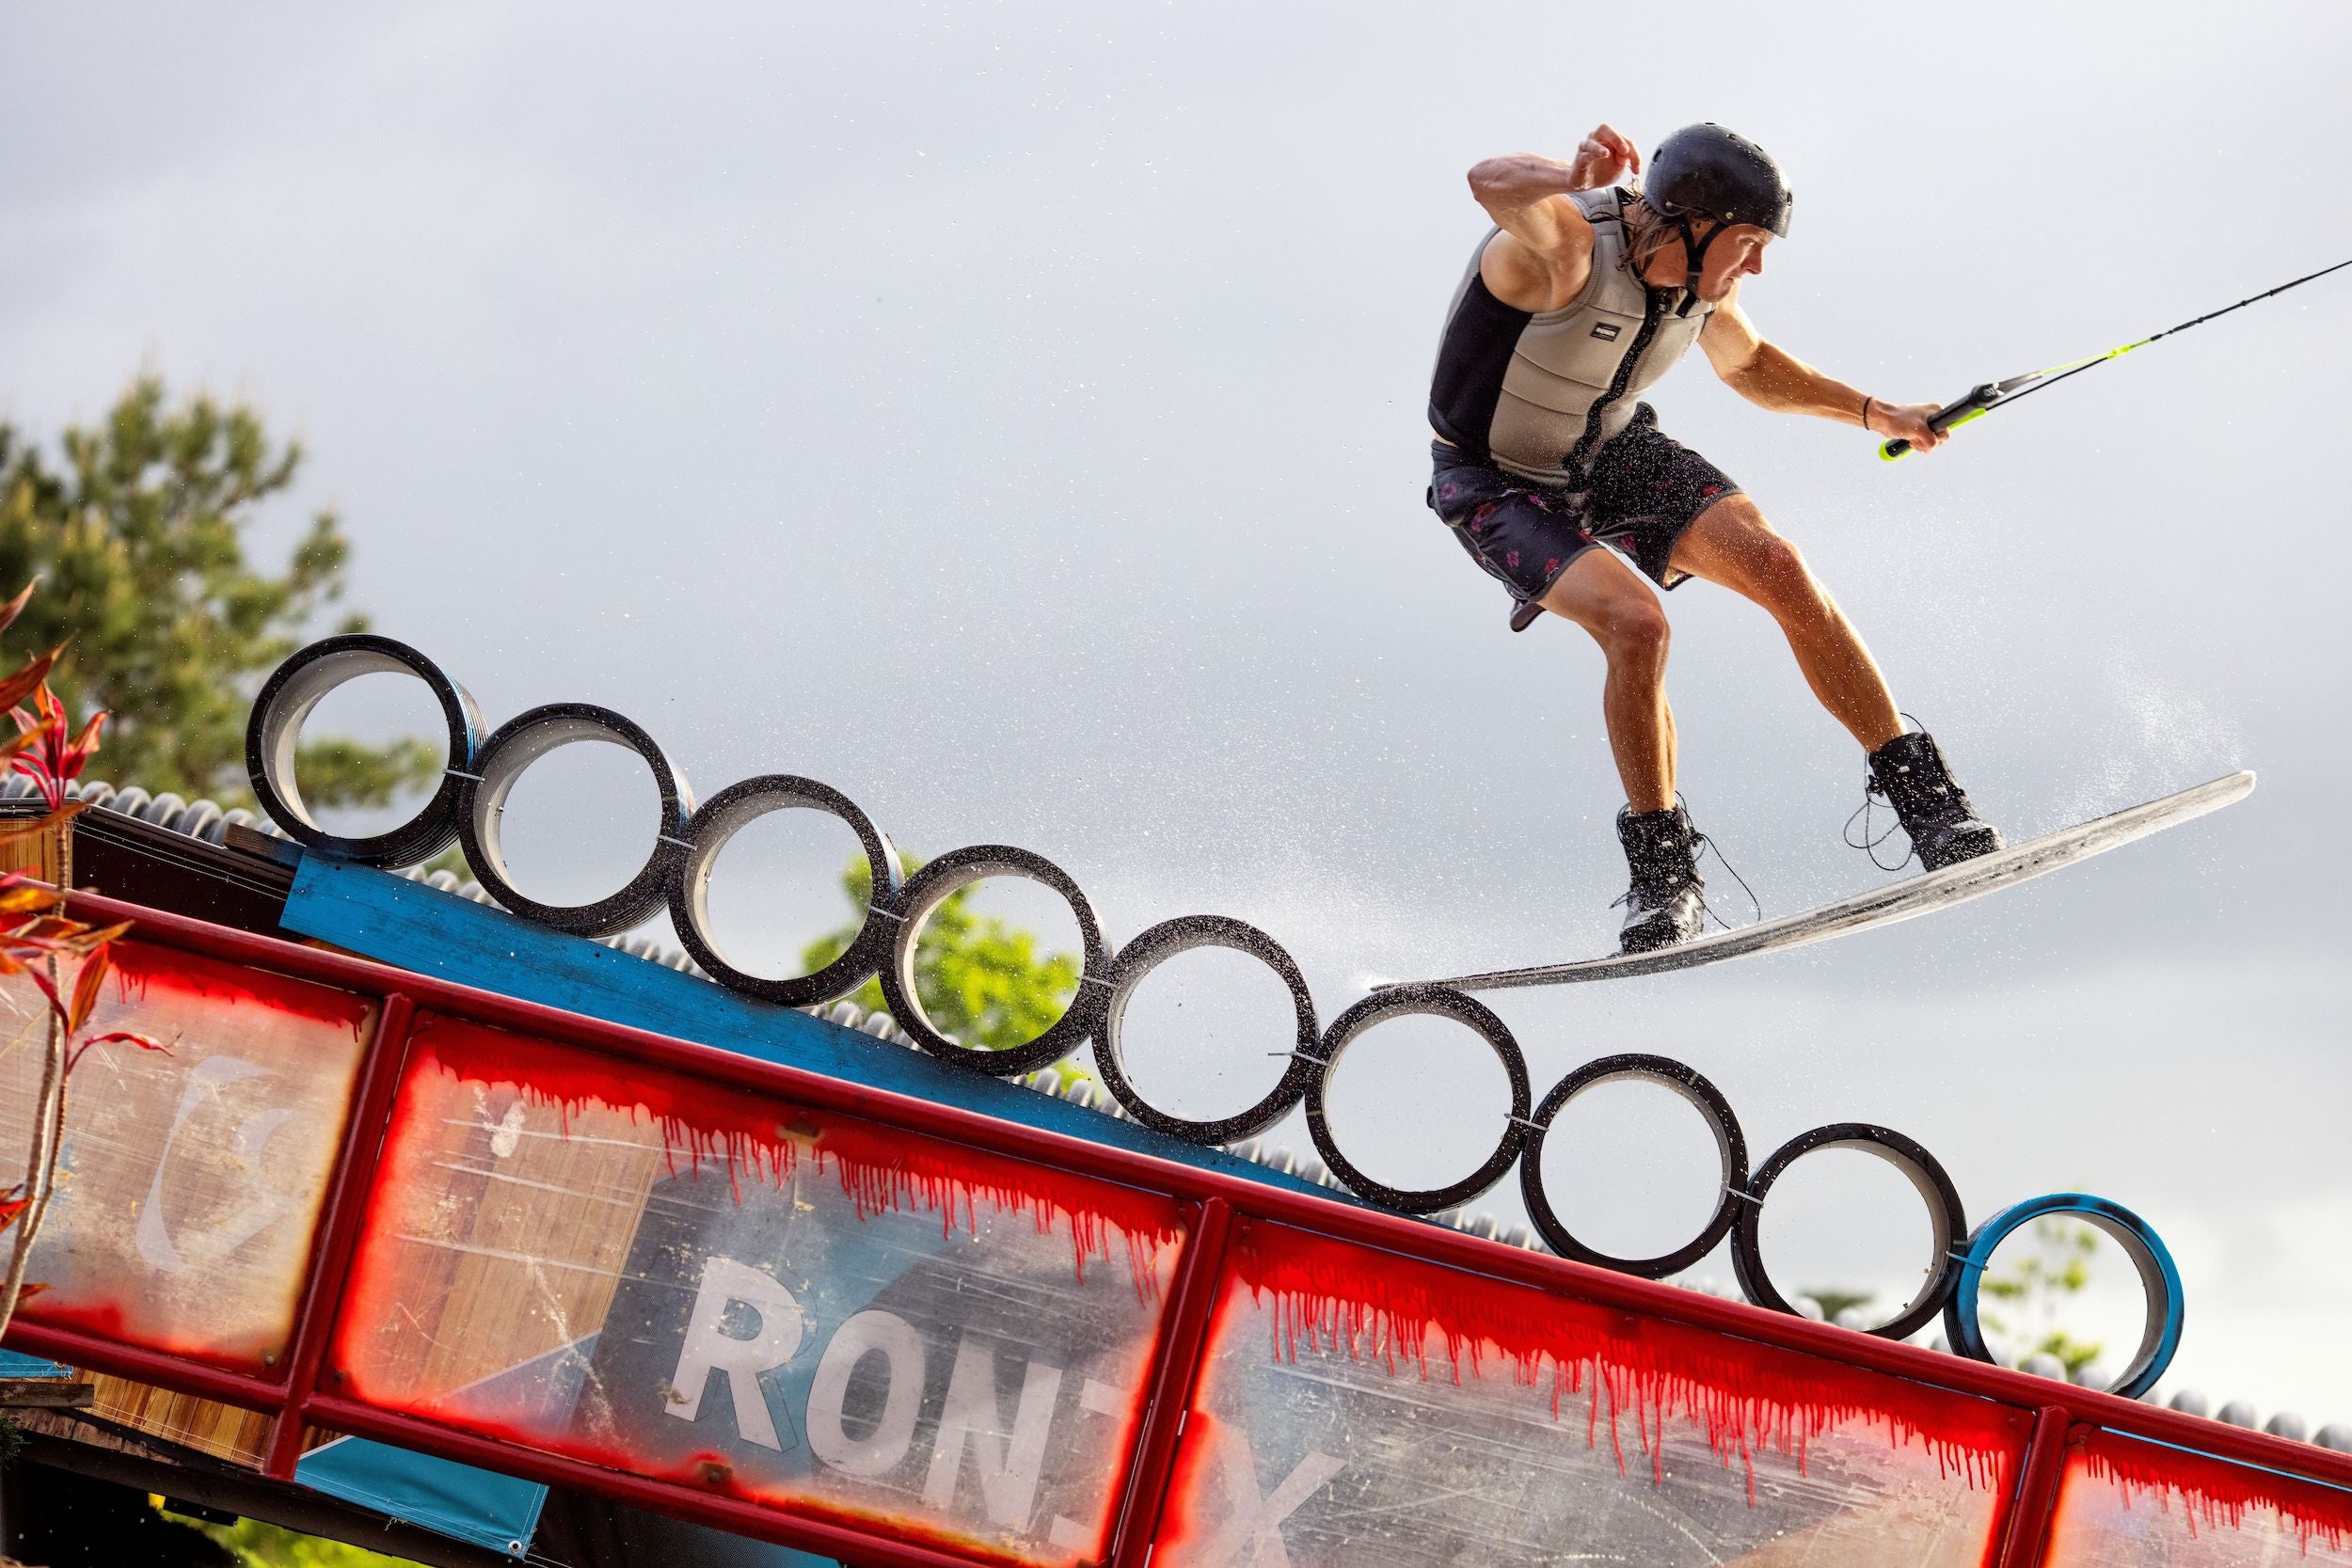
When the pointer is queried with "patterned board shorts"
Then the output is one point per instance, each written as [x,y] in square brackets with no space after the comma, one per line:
[1645,489]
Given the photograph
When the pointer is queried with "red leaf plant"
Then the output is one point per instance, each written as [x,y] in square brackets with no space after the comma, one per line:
[38,937]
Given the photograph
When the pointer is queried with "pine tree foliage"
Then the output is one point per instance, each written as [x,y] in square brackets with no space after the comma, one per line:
[138,534]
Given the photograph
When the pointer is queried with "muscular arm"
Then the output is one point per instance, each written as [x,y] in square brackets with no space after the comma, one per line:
[1545,251]
[1771,378]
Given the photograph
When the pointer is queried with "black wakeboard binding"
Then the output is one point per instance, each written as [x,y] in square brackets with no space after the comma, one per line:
[1910,774]
[1667,902]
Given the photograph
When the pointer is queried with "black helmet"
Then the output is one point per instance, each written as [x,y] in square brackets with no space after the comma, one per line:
[1705,172]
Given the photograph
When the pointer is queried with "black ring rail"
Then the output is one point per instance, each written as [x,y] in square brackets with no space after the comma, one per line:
[481,774]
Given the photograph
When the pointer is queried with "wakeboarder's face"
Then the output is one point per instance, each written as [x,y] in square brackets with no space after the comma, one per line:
[1737,253]
[1733,254]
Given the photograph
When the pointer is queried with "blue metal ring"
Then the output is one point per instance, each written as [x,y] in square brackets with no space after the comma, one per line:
[2159,1281]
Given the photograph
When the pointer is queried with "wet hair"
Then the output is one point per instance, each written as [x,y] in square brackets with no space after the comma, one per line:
[1647,232]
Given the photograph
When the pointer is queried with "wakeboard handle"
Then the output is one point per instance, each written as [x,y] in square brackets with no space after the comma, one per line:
[1977,404]
[1983,400]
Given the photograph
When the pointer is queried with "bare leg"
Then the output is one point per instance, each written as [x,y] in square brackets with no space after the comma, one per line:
[1732,545]
[1610,601]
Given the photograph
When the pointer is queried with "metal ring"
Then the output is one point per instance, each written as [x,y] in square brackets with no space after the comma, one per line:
[1935,1190]
[1377,1008]
[1701,1097]
[2160,1282]
[296,688]
[717,821]
[941,880]
[1156,946]
[523,740]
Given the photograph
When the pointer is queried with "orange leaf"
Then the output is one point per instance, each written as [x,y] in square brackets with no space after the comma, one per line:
[85,744]
[117,1037]
[85,987]
[90,940]
[14,608]
[27,681]
[11,1207]
[27,897]
[27,1292]
[129,1037]
[55,1005]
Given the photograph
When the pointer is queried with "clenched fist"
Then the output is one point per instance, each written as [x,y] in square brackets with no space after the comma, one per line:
[1906,421]
[1603,158]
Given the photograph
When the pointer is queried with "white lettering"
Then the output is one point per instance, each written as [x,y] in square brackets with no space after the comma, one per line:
[709,1347]
[1096,1398]
[873,1333]
[1009,1464]
[263,1207]
[1254,1537]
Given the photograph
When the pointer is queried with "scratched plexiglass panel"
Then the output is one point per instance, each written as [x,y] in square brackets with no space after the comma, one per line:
[1358,1409]
[191,1179]
[750,1296]
[2127,1504]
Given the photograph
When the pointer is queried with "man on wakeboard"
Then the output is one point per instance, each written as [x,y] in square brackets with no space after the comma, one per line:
[1579,299]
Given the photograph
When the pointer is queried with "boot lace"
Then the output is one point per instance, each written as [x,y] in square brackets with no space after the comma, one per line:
[1660,890]
[1701,843]
[1873,795]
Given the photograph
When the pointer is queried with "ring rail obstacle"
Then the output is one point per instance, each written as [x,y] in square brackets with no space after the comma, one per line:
[677,1248]
[480,773]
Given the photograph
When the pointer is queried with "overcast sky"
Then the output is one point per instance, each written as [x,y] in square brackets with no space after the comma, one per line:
[1012,415]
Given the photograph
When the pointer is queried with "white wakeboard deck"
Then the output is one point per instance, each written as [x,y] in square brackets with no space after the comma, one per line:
[1883,906]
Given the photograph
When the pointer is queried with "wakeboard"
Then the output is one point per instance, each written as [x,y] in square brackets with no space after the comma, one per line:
[1883,906]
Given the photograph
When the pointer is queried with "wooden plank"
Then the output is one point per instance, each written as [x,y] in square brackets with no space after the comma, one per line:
[575,1200]
[427,931]
[240,1437]
[20,1393]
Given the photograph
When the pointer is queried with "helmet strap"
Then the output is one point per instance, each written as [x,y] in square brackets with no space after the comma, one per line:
[1694,256]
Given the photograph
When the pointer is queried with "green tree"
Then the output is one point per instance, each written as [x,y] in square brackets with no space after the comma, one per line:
[981,981]
[2035,1290]
[1834,1299]
[255,1544]
[139,539]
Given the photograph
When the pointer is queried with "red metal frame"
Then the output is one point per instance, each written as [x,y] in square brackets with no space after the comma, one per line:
[1220,1201]
[2036,1496]
[338,1224]
[1173,1376]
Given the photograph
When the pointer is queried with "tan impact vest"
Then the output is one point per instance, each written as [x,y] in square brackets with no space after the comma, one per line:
[1617,337]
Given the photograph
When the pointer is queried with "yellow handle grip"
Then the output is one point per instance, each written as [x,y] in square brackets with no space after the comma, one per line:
[1890,450]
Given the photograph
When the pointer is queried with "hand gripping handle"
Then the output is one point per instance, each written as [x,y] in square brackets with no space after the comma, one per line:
[1974,406]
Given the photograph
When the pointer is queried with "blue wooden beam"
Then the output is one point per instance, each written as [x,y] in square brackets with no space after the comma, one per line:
[426,931]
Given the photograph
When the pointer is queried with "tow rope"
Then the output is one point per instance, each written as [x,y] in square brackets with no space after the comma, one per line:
[1996,394]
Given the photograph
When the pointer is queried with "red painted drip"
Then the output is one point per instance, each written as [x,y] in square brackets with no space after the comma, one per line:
[1330,1295]
[761,1139]
[754,1139]
[140,968]
[2210,1492]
